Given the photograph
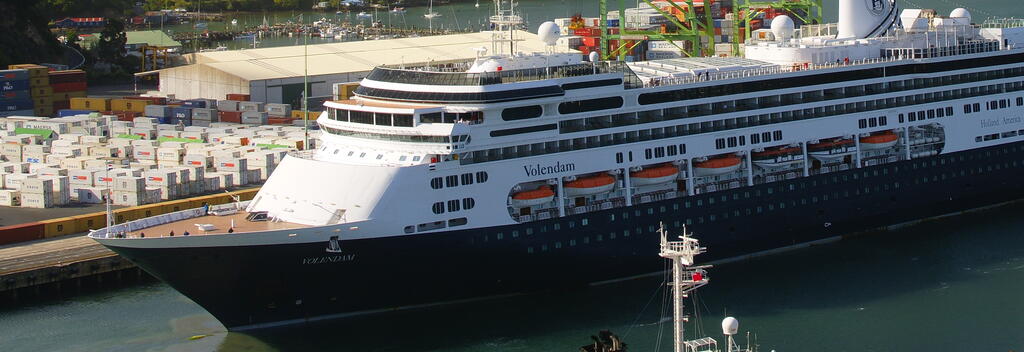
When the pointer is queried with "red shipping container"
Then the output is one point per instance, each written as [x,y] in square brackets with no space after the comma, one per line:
[239,97]
[60,105]
[280,121]
[68,87]
[21,232]
[231,116]
[591,41]
[67,76]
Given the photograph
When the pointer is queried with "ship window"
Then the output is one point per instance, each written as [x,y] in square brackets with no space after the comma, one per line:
[403,157]
[912,116]
[410,229]
[361,117]
[453,205]
[872,122]
[647,153]
[402,120]
[720,143]
[382,119]
[572,107]
[618,157]
[416,158]
[949,111]
[659,152]
[743,140]
[361,155]
[977,107]
[967,108]
[1020,101]
[672,150]
[940,113]
[522,113]
[931,114]
[777,135]
[901,118]
[457,222]
[1002,104]
[467,179]
[862,123]
[882,121]
[438,208]
[434,117]
[481,177]
[732,141]
[766,136]
[755,138]
[468,203]
[380,156]
[451,181]
[682,149]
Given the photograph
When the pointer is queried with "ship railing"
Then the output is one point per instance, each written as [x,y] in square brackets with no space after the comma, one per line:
[303,154]
[122,230]
[709,76]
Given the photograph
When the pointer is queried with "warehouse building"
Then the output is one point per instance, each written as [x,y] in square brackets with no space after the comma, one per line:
[275,75]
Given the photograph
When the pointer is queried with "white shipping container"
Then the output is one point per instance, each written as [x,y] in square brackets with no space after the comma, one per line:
[14,181]
[94,139]
[227,105]
[36,185]
[10,197]
[173,153]
[211,184]
[251,106]
[279,109]
[35,200]
[130,198]
[239,178]
[91,195]
[144,153]
[232,165]
[129,183]
[161,177]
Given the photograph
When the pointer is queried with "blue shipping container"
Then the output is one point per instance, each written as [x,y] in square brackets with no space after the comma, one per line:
[194,103]
[182,113]
[14,75]
[15,95]
[15,105]
[6,86]
[71,112]
[613,23]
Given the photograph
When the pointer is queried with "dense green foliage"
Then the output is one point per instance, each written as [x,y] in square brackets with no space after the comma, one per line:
[26,38]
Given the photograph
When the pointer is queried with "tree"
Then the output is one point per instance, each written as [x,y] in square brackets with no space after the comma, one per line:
[110,47]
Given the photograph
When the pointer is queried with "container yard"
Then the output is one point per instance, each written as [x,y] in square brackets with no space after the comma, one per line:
[142,150]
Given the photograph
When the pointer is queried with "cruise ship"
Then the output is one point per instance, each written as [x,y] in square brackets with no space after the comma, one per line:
[519,172]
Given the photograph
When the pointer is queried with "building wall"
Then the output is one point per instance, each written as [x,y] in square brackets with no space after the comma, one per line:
[200,81]
[289,90]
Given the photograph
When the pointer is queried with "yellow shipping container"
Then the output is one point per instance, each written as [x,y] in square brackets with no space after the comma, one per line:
[33,69]
[310,115]
[43,111]
[39,81]
[101,104]
[63,96]
[137,105]
[119,104]
[41,91]
[42,101]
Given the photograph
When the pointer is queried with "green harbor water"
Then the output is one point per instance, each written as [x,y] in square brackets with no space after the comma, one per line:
[952,284]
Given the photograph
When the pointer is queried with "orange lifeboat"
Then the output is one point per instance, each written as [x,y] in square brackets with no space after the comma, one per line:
[716,166]
[775,157]
[585,186]
[830,150]
[878,141]
[655,175]
[542,195]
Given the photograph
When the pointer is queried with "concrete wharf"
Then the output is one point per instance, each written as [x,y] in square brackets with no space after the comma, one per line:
[58,265]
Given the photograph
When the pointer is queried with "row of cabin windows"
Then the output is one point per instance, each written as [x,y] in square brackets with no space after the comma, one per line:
[763,137]
[453,205]
[586,142]
[928,114]
[873,122]
[619,159]
[818,95]
[995,136]
[473,117]
[453,180]
[436,225]
[395,137]
[643,117]
[370,118]
[998,104]
[661,152]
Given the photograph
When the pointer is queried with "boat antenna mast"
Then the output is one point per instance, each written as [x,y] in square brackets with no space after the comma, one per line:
[685,279]
[504,24]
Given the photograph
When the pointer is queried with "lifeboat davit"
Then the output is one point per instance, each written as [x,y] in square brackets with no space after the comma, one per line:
[776,157]
[878,141]
[542,195]
[826,150]
[654,175]
[585,186]
[716,166]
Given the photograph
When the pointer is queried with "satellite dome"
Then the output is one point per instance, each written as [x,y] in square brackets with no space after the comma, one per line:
[730,325]
[783,27]
[549,33]
[961,16]
[594,56]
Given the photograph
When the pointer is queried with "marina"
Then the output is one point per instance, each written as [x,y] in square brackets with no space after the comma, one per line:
[853,180]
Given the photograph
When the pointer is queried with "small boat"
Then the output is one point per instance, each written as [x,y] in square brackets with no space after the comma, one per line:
[877,141]
[776,157]
[585,186]
[542,195]
[398,10]
[430,11]
[364,15]
[654,176]
[234,22]
[717,166]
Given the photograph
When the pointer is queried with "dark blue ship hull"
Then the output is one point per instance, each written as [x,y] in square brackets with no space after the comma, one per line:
[258,286]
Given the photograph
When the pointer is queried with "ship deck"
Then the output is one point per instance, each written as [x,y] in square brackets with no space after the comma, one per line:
[221,226]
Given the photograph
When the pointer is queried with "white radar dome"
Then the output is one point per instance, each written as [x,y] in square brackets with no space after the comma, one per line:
[549,33]
[594,56]
[730,325]
[783,27]
[961,16]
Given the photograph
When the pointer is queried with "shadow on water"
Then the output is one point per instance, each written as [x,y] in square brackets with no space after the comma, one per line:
[889,276]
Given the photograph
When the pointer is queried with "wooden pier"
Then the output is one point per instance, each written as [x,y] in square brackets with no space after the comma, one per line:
[59,266]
